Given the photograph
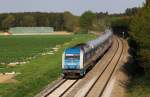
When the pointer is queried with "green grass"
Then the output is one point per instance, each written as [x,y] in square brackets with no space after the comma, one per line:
[39,72]
[19,48]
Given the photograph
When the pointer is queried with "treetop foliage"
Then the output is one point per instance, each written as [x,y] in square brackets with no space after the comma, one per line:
[60,21]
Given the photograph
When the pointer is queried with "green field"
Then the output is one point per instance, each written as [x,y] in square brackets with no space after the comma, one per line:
[20,48]
[41,70]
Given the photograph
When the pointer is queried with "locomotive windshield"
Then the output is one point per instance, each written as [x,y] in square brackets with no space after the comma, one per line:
[72,57]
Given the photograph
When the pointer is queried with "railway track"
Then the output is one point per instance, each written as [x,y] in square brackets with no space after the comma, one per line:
[60,90]
[91,86]
[112,90]
[97,86]
[100,84]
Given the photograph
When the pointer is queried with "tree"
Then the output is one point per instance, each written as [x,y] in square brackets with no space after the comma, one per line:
[99,24]
[86,20]
[147,2]
[8,22]
[120,24]
[70,22]
[42,20]
[131,11]
[28,21]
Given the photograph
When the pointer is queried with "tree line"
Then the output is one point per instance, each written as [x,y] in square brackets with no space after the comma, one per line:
[60,21]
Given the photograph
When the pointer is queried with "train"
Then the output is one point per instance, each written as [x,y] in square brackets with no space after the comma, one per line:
[79,59]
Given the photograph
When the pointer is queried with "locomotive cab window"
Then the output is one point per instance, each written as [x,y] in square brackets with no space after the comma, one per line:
[72,57]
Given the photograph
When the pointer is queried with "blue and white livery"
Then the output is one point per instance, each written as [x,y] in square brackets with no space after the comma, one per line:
[77,60]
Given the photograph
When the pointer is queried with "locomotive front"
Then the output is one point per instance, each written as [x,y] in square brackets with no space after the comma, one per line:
[71,62]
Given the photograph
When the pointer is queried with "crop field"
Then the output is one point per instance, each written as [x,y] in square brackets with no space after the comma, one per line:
[40,71]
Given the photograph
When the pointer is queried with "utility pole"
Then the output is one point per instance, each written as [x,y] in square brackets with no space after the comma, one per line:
[123,34]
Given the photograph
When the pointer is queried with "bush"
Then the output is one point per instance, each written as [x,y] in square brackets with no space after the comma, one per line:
[140,30]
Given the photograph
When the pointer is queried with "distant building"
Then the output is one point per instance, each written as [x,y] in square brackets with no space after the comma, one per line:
[31,30]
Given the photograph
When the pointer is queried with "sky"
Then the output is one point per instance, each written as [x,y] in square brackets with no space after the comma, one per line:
[77,7]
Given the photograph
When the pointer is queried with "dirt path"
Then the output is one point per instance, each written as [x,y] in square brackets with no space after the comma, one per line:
[7,78]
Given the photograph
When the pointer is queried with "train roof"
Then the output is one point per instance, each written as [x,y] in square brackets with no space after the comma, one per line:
[100,39]
[73,50]
[89,45]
